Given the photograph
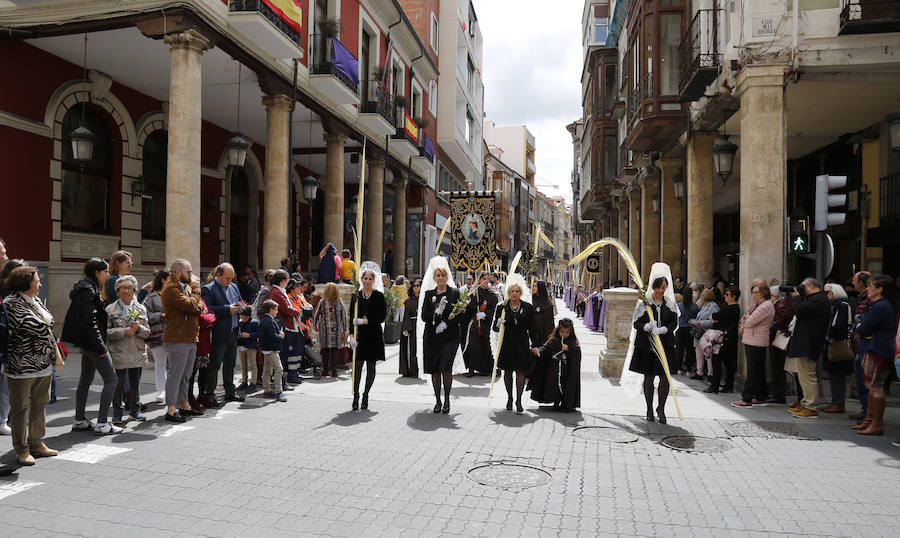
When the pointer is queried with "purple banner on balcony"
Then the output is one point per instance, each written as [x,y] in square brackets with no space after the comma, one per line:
[344,61]
[429,147]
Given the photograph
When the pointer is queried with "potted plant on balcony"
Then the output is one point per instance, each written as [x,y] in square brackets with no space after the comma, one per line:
[330,27]
[422,122]
[401,103]
[391,326]
[378,73]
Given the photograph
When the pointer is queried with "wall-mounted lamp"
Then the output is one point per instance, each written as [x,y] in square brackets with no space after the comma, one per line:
[138,186]
[654,198]
[205,230]
[678,182]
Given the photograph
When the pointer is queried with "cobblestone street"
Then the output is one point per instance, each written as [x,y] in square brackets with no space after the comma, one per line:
[313,467]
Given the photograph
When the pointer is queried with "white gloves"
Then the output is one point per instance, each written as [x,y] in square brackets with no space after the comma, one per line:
[352,342]
[441,306]
[649,327]
[405,333]
[501,321]
[660,330]
[359,321]
[480,316]
[440,328]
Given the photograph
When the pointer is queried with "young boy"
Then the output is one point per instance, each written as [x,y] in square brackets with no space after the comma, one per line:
[270,337]
[248,341]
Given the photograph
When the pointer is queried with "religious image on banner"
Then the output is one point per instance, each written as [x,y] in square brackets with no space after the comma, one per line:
[472,230]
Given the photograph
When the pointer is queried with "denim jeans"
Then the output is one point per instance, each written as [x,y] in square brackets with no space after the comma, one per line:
[91,362]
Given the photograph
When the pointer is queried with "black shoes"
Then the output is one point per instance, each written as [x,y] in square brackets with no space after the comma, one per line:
[190,412]
[234,398]
[446,409]
[355,402]
[662,415]
[365,402]
[697,377]
[519,408]
[650,416]
[711,390]
[437,407]
[175,418]
[508,405]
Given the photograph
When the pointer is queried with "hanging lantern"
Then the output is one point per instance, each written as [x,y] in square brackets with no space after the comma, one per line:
[82,144]
[723,157]
[237,151]
[310,187]
[678,183]
[893,121]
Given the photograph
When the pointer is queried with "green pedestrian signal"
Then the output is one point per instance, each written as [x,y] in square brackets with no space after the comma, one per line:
[799,235]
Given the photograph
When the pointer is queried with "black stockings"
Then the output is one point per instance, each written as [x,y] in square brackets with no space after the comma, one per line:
[520,384]
[370,375]
[447,378]
[663,392]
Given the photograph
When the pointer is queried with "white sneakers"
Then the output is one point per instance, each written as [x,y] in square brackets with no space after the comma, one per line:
[79,425]
[107,428]
[5,429]
[161,397]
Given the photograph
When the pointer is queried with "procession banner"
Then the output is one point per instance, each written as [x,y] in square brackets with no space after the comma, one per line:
[472,229]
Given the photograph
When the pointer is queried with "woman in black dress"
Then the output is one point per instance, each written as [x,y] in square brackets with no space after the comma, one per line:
[477,327]
[543,310]
[441,337]
[369,340]
[645,360]
[726,320]
[515,355]
[409,364]
[556,377]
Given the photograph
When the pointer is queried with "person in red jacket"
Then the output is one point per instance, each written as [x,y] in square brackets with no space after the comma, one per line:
[285,317]
[204,348]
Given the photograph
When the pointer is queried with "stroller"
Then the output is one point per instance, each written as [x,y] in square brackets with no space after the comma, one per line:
[311,360]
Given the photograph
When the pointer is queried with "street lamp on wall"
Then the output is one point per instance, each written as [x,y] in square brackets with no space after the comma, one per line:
[893,121]
[237,150]
[654,198]
[723,157]
[310,188]
[678,183]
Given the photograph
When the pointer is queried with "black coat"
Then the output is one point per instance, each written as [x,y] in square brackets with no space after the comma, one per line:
[557,375]
[515,354]
[369,337]
[644,360]
[813,314]
[432,320]
[839,331]
[86,319]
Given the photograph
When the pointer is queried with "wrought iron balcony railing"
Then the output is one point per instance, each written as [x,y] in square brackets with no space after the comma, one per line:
[329,56]
[889,199]
[870,16]
[269,14]
[643,90]
[378,100]
[700,56]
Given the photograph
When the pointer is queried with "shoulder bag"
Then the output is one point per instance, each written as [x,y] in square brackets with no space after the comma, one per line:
[840,351]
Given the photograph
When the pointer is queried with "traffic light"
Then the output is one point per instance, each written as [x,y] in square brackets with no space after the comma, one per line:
[825,201]
[799,235]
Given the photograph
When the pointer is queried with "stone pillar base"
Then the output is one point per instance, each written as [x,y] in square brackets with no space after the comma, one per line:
[617,328]
[612,362]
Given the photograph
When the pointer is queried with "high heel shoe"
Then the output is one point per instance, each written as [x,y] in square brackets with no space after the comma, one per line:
[650,416]
[662,415]
[365,401]
[355,402]
[711,390]
[509,404]
[446,409]
[519,408]
[437,407]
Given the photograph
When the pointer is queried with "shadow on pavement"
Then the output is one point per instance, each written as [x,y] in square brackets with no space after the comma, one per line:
[428,421]
[512,419]
[349,418]
[410,381]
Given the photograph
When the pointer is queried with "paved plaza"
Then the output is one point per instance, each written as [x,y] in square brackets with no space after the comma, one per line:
[313,467]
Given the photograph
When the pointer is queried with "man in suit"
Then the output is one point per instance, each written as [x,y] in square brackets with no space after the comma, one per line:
[222,298]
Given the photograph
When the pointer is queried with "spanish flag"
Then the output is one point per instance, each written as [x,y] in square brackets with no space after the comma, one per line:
[289,11]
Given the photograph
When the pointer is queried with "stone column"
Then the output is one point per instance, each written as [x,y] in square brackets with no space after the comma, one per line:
[276,238]
[373,247]
[334,191]
[700,208]
[183,167]
[621,270]
[634,223]
[670,244]
[763,173]
[649,225]
[400,186]
[617,328]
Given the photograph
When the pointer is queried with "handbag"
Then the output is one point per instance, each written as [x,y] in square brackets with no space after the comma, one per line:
[60,360]
[840,351]
[781,340]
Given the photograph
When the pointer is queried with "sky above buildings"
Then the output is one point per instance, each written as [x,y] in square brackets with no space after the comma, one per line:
[532,72]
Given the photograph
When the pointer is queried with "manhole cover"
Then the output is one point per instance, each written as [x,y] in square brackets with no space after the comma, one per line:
[769,430]
[691,443]
[604,434]
[509,475]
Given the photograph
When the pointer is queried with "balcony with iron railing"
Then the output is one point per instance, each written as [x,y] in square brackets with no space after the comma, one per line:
[376,108]
[643,90]
[869,16]
[334,70]
[699,55]
[277,32]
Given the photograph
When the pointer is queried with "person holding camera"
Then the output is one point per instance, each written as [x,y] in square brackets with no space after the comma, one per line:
[813,312]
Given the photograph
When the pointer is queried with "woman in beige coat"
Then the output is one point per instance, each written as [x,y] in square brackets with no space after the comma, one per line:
[127,330]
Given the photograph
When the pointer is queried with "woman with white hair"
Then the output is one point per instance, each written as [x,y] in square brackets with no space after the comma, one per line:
[838,365]
[440,338]
[517,315]
[369,339]
[127,330]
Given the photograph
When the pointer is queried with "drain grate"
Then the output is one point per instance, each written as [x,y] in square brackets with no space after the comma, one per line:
[507,475]
[604,434]
[690,443]
[768,430]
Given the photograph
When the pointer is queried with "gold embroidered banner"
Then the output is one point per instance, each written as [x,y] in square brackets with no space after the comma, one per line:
[472,226]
